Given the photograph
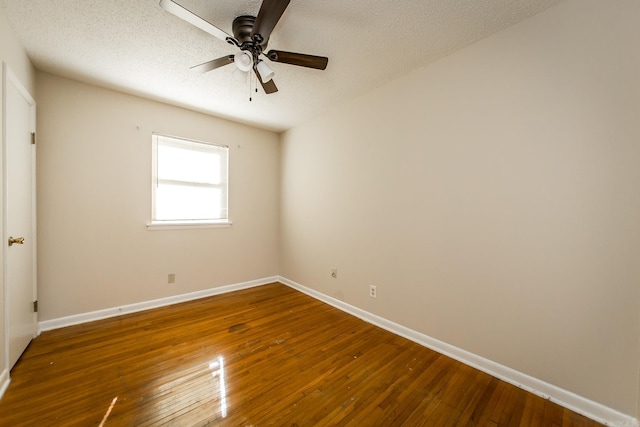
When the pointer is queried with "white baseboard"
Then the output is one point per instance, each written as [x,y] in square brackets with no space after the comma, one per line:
[5,379]
[569,400]
[77,319]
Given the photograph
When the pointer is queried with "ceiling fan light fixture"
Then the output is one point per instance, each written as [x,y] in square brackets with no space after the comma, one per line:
[266,73]
[243,61]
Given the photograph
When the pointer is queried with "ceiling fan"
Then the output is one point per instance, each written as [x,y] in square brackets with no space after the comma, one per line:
[250,35]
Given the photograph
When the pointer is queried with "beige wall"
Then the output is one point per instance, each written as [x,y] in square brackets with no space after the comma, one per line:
[13,55]
[94,183]
[493,199]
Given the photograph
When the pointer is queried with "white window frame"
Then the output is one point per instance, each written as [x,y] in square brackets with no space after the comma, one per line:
[166,224]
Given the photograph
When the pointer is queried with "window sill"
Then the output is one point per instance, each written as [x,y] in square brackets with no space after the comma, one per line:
[185,225]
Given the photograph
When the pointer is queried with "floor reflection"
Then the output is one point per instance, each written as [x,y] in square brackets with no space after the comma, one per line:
[189,396]
[106,415]
[217,370]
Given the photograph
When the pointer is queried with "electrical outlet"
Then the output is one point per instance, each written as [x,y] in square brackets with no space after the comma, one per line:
[334,273]
[373,292]
[171,278]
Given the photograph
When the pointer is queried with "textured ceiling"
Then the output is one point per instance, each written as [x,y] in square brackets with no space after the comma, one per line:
[137,47]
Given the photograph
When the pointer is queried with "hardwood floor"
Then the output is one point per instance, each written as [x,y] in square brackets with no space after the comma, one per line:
[258,357]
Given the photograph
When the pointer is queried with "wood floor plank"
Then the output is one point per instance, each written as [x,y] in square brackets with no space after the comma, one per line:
[262,356]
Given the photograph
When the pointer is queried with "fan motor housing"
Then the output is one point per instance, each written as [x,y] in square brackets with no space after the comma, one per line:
[242,27]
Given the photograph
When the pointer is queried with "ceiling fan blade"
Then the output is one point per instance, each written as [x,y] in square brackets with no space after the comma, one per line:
[212,65]
[268,17]
[269,87]
[193,19]
[300,59]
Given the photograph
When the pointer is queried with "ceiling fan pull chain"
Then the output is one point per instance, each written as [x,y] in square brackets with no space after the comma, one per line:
[252,79]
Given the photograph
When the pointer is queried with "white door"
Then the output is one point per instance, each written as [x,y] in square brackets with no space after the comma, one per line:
[19,214]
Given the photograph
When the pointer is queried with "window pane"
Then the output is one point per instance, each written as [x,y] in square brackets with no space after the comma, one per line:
[189,180]
[175,202]
[180,164]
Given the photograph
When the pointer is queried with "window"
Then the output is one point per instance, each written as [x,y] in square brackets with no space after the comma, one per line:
[190,182]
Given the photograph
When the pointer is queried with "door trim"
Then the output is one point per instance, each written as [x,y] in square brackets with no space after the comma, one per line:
[8,77]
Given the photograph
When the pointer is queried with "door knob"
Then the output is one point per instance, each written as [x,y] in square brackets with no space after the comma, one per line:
[17,240]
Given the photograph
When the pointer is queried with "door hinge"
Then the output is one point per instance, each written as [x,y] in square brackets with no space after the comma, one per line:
[35,306]
[33,138]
